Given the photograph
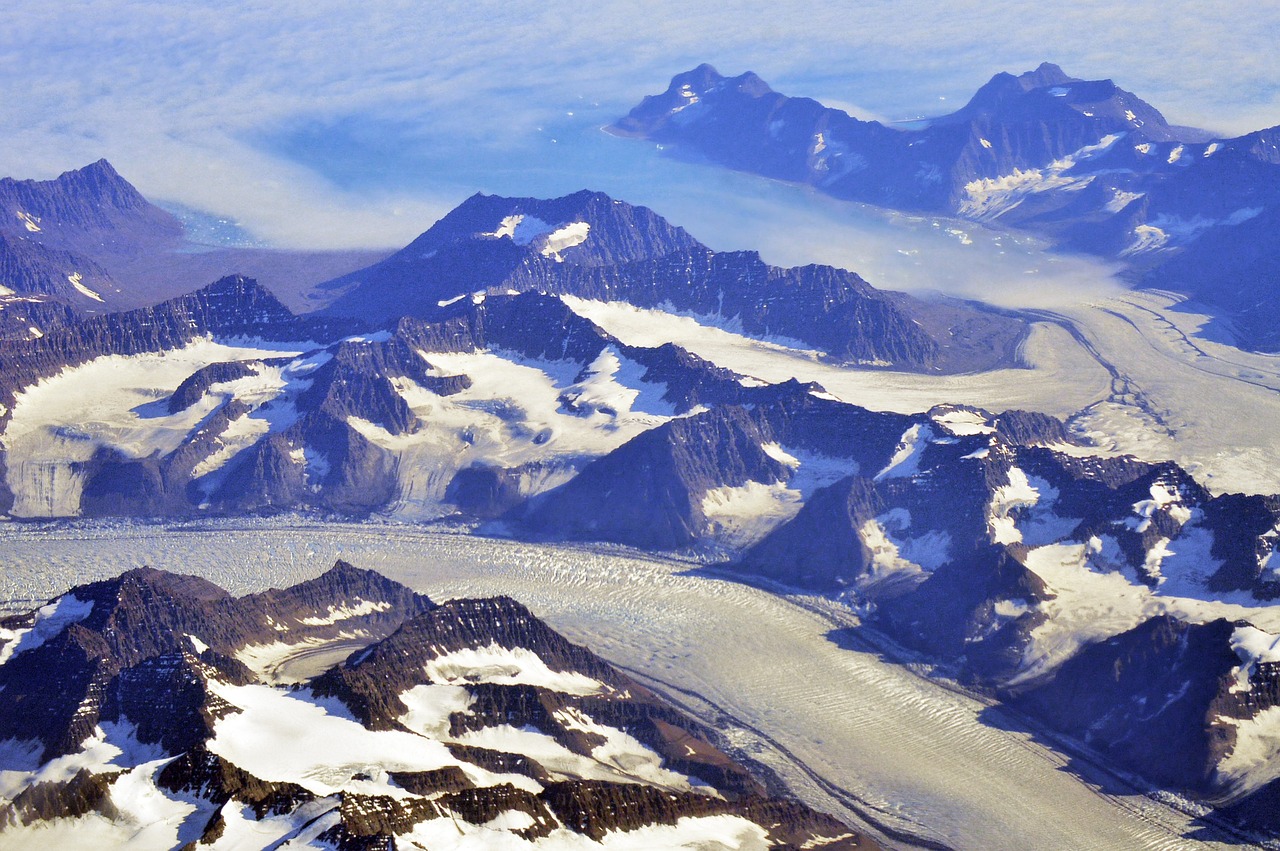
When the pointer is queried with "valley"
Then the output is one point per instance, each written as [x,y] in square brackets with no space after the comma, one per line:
[1134,373]
[836,723]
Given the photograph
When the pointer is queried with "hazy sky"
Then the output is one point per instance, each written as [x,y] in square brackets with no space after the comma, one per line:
[323,123]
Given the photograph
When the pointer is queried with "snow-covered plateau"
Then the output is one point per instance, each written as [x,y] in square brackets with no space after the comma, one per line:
[851,731]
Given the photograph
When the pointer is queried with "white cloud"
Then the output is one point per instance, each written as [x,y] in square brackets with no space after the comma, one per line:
[181,97]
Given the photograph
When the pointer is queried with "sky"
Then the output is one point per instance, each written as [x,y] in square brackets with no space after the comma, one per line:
[326,124]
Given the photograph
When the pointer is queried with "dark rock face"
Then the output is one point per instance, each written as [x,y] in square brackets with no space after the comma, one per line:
[205,775]
[1184,210]
[649,492]
[1147,698]
[84,793]
[92,198]
[126,631]
[628,253]
[820,549]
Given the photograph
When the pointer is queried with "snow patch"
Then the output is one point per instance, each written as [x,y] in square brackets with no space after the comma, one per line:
[346,612]
[1121,199]
[1146,238]
[740,516]
[75,278]
[564,238]
[1252,761]
[520,229]
[63,420]
[50,620]
[906,457]
[507,666]
[429,708]
[963,423]
[1252,646]
[896,559]
[1019,493]
[1162,497]
[990,197]
[281,736]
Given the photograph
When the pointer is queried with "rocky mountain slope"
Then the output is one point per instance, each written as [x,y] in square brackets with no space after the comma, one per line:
[153,711]
[87,242]
[1083,162]
[590,246]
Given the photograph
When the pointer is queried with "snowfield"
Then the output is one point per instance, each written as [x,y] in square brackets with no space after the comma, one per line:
[1140,373]
[118,402]
[847,728]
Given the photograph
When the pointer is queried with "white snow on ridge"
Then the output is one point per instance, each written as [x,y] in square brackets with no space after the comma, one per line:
[1253,646]
[724,833]
[430,707]
[31,223]
[1161,498]
[990,197]
[899,560]
[1121,199]
[281,736]
[1146,238]
[49,621]
[75,278]
[346,612]
[506,666]
[520,229]
[963,423]
[517,413]
[1019,493]
[614,385]
[564,238]
[114,401]
[906,458]
[1253,761]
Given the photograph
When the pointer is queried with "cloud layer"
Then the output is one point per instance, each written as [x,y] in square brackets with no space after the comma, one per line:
[189,100]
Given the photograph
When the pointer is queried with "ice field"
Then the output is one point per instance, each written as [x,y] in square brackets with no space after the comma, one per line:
[850,730]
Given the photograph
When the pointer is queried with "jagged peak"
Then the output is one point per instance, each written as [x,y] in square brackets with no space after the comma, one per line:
[1046,74]
[698,79]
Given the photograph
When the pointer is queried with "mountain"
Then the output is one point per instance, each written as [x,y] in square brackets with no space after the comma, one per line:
[157,710]
[88,242]
[223,402]
[590,246]
[1112,600]
[1082,162]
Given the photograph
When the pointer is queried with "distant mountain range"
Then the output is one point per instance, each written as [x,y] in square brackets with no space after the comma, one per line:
[1114,601]
[156,708]
[591,246]
[1084,162]
[88,242]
